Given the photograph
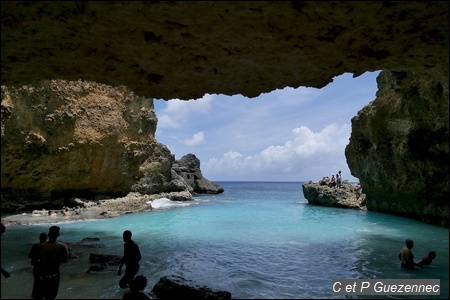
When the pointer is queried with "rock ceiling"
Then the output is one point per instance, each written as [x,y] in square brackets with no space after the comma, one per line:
[184,49]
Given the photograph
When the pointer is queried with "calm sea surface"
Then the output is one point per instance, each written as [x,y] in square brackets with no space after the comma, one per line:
[256,240]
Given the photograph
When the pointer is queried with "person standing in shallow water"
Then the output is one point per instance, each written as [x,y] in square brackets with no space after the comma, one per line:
[406,256]
[51,255]
[4,272]
[37,292]
[131,258]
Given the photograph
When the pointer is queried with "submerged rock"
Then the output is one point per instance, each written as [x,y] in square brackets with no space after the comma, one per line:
[176,287]
[110,259]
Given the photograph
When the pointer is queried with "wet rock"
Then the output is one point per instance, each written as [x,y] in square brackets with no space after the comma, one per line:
[110,259]
[176,287]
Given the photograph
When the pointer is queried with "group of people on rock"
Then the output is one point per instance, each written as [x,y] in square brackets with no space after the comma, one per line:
[48,254]
[336,181]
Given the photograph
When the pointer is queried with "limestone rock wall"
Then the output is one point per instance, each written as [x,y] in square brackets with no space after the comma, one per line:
[64,139]
[184,49]
[399,147]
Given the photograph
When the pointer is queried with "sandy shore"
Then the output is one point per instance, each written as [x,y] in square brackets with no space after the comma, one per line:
[132,203]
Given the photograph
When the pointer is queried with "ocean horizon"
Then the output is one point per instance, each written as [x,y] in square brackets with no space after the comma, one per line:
[258,239]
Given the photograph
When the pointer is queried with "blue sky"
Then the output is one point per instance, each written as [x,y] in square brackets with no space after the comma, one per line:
[285,135]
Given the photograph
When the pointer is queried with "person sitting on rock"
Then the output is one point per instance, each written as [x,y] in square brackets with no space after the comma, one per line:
[332,181]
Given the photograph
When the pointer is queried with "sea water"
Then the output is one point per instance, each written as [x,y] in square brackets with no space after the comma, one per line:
[256,240]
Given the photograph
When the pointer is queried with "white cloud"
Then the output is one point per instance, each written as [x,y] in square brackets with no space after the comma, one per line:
[315,153]
[232,155]
[292,134]
[196,139]
[178,112]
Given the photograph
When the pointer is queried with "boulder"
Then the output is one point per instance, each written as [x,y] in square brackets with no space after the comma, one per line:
[98,268]
[319,194]
[109,259]
[176,287]
[188,168]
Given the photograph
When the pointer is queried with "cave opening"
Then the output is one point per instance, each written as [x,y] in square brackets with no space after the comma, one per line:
[290,134]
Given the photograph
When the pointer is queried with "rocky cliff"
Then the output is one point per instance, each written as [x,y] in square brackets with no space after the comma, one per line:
[184,49]
[64,139]
[399,147]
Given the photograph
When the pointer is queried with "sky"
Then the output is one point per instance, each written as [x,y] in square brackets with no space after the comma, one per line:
[292,135]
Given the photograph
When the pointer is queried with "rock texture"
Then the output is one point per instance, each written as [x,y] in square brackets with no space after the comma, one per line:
[188,167]
[176,287]
[319,193]
[65,139]
[399,148]
[184,49]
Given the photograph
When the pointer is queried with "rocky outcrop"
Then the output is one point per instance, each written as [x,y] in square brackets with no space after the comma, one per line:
[158,176]
[399,148]
[188,168]
[319,193]
[176,287]
[184,49]
[62,140]
[78,137]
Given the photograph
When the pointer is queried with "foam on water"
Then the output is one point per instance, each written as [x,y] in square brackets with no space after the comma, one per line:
[165,203]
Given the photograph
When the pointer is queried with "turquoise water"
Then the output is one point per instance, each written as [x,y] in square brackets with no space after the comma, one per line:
[256,240]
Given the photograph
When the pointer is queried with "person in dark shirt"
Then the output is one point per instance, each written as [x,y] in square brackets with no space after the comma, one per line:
[51,255]
[37,292]
[332,181]
[131,257]
[4,272]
